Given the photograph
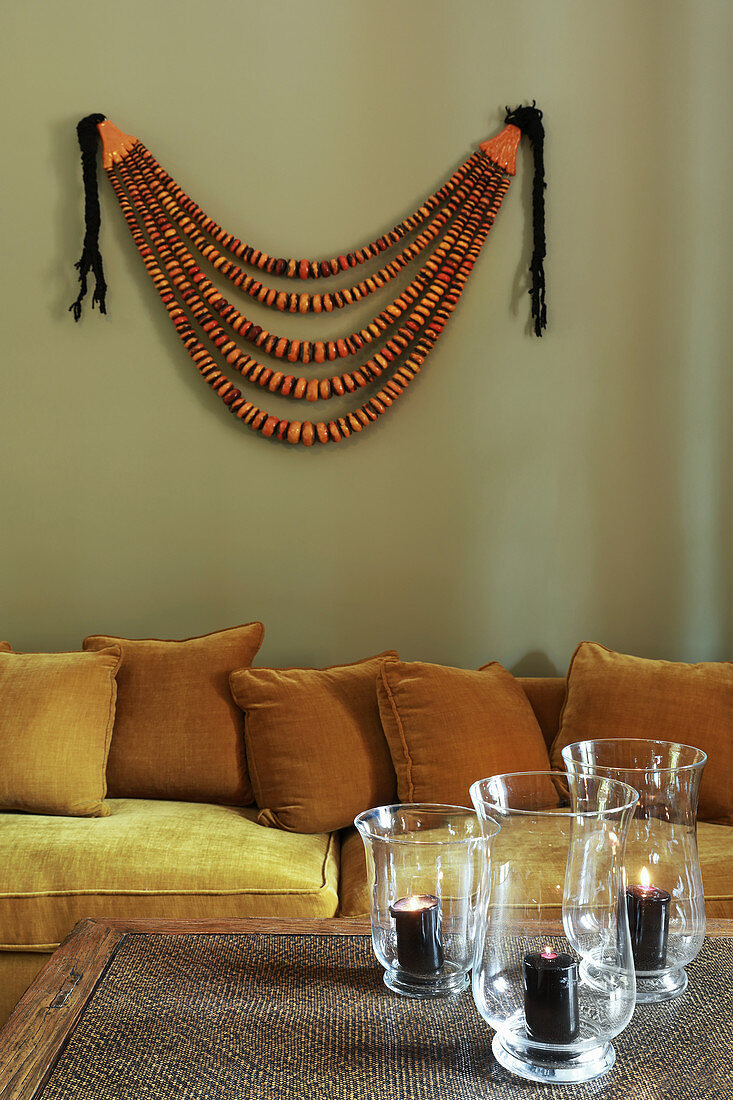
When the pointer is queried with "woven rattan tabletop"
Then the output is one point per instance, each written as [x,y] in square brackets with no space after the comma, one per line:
[225,1015]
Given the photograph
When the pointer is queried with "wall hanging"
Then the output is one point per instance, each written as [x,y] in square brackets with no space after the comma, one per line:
[166,223]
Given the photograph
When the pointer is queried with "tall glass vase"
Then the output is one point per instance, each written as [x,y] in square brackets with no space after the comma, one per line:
[665,899]
[553,972]
[424,867]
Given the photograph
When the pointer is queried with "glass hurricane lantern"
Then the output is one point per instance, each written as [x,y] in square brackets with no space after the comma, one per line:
[665,897]
[553,972]
[424,866]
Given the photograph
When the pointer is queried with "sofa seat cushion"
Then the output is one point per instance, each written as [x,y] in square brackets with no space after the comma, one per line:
[17,971]
[156,859]
[715,844]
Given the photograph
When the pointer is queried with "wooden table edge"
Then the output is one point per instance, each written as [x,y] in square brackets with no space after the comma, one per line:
[47,1013]
[290,926]
[324,926]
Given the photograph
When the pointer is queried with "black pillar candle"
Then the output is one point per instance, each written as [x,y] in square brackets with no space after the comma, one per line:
[648,909]
[551,997]
[417,925]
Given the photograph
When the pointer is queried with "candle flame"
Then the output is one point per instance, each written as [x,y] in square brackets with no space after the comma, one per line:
[548,953]
[413,903]
[645,879]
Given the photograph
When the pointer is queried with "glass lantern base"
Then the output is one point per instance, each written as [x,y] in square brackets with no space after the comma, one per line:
[443,984]
[560,1065]
[665,986]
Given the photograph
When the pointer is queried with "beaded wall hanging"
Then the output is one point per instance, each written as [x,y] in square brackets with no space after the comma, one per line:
[166,223]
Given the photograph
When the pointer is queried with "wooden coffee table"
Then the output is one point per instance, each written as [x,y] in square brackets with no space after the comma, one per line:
[281,1009]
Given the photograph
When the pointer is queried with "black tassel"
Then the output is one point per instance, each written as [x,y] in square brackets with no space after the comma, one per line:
[91,259]
[529,121]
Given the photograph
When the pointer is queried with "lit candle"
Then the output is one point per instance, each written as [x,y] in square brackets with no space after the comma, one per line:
[648,909]
[550,996]
[417,925]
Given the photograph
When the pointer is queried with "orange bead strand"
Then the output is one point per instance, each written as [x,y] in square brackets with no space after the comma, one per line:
[157,212]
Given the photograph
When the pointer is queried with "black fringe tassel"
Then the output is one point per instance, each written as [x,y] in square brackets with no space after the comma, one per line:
[91,258]
[529,121]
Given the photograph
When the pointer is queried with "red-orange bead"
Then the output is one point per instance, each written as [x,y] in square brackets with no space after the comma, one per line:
[308,434]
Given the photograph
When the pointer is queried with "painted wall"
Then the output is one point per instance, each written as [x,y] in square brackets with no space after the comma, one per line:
[525,494]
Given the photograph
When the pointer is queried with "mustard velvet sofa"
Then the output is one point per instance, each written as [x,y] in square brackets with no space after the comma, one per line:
[158,858]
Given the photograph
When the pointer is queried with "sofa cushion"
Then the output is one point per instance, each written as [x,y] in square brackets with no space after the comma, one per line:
[715,843]
[153,858]
[56,717]
[315,747]
[354,893]
[447,727]
[613,695]
[17,971]
[546,695]
[178,734]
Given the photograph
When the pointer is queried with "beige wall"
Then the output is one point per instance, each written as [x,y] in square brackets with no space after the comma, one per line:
[524,494]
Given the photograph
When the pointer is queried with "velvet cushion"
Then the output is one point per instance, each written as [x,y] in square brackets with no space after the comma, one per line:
[546,695]
[177,732]
[17,971]
[715,843]
[613,695]
[315,747]
[152,858]
[447,727]
[56,716]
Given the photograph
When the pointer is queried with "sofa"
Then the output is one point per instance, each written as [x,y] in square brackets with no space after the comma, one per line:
[207,787]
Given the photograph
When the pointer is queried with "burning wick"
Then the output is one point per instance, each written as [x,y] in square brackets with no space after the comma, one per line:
[645,880]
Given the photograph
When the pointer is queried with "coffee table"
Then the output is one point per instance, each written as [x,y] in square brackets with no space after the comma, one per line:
[291,1009]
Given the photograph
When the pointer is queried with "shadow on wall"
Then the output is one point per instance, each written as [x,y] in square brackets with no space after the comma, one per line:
[535,663]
